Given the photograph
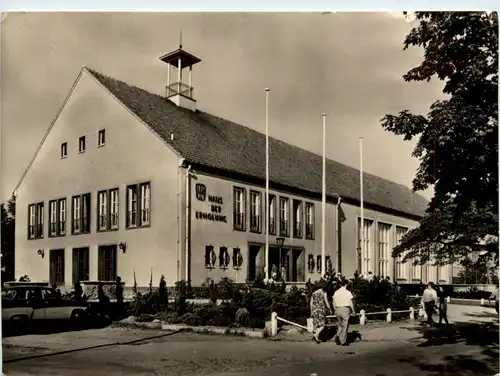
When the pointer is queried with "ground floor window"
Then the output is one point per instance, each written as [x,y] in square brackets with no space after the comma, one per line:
[81,264]
[56,273]
[285,264]
[107,263]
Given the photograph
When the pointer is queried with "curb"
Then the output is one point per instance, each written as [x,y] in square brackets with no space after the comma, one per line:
[251,333]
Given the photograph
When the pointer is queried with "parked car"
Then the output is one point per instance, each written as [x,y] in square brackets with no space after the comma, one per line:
[25,305]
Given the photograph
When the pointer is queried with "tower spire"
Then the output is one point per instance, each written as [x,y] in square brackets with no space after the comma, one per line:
[180,40]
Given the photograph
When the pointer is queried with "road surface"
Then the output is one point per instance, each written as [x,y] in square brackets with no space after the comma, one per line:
[385,350]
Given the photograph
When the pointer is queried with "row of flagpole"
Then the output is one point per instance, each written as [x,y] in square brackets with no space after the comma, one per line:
[323,195]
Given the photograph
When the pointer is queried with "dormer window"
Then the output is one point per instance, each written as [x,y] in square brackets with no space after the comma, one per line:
[64,150]
[101,138]
[81,144]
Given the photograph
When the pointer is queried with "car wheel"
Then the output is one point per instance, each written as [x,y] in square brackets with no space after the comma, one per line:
[77,319]
[19,324]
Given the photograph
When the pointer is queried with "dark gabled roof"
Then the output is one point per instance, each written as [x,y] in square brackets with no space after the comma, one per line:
[214,142]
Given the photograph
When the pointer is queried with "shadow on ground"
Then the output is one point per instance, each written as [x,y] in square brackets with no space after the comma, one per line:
[482,335]
[56,327]
[329,332]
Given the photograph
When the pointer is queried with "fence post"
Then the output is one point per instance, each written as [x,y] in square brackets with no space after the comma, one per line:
[274,324]
[448,300]
[310,325]
[362,318]
[482,301]
[412,313]
[389,315]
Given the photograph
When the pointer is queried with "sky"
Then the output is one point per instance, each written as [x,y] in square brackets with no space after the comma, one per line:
[348,65]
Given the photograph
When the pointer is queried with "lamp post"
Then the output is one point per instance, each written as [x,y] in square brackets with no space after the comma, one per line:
[279,243]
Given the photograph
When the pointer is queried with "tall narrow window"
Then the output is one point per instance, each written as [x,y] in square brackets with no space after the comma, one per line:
[107,263]
[81,144]
[138,205]
[81,214]
[31,221]
[401,267]
[297,218]
[114,198]
[62,216]
[64,150]
[101,137]
[284,216]
[384,249]
[239,209]
[416,270]
[81,264]
[39,220]
[56,272]
[77,219]
[53,218]
[102,203]
[272,215]
[365,243]
[309,220]
[255,211]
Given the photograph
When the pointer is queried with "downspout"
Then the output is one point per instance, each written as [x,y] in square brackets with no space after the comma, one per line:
[188,210]
[337,223]
[179,227]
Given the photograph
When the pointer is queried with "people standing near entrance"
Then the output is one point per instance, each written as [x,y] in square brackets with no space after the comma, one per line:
[274,273]
[344,308]
[429,301]
[320,308]
[494,295]
[443,306]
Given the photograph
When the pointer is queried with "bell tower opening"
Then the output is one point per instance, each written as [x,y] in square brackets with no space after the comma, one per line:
[179,92]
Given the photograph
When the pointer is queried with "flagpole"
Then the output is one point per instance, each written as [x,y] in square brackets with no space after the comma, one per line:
[361,200]
[323,203]
[266,269]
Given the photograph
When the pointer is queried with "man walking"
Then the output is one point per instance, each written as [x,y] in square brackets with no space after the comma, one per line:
[344,308]
[429,302]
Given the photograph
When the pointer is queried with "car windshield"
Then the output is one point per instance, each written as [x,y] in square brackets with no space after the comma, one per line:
[8,294]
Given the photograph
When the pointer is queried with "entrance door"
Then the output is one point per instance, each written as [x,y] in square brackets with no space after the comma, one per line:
[255,262]
[107,263]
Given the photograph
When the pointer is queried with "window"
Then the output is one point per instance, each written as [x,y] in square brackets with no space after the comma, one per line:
[384,249]
[309,220]
[80,264]
[107,263]
[56,267]
[297,219]
[101,137]
[239,209]
[81,214]
[272,215]
[284,216]
[416,274]
[81,144]
[64,150]
[107,210]
[223,257]
[237,258]
[365,245]
[57,219]
[255,211]
[138,205]
[210,257]
[35,221]
[401,269]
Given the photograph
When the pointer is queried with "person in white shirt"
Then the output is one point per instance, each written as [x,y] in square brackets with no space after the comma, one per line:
[429,301]
[344,308]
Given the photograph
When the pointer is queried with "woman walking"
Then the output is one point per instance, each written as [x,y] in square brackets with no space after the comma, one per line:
[320,308]
[443,306]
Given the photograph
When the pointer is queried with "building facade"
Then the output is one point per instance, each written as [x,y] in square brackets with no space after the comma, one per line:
[132,184]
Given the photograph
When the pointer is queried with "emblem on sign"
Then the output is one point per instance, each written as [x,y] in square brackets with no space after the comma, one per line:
[201,192]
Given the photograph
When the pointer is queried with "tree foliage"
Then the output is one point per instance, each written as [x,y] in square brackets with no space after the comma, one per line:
[457,141]
[8,238]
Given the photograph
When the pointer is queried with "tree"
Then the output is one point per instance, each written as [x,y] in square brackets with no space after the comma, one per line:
[8,238]
[457,141]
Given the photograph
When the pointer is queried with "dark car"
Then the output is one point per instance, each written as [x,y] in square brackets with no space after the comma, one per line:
[24,305]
